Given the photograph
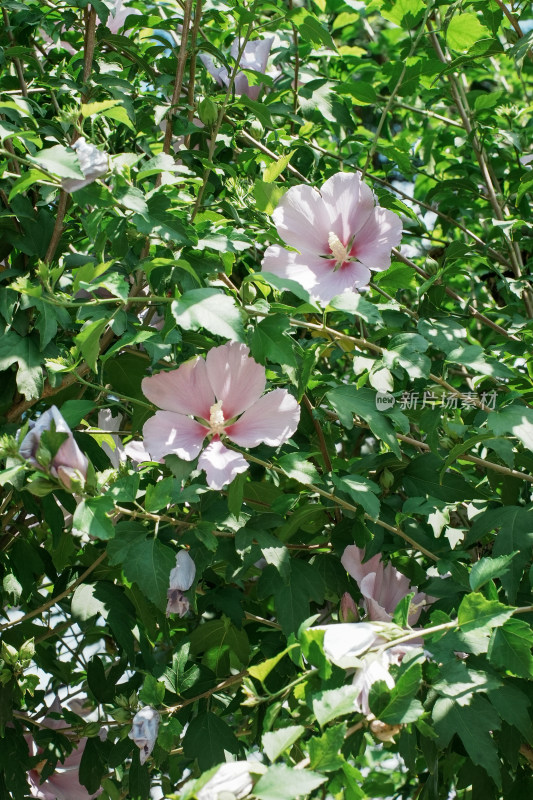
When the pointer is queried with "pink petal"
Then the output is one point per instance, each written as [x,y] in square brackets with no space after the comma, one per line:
[350,201]
[316,275]
[352,561]
[236,379]
[348,278]
[294,266]
[220,464]
[381,232]
[185,390]
[168,433]
[272,420]
[303,220]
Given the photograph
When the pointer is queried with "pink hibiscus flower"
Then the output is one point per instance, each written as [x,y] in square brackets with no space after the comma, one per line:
[255,56]
[339,232]
[64,784]
[221,396]
[382,586]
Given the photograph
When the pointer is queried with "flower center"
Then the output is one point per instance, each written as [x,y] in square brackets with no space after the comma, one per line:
[216,418]
[339,251]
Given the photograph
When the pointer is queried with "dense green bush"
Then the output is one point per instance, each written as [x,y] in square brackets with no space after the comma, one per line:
[266,385]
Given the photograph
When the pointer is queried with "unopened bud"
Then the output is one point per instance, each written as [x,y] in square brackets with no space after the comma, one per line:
[256,129]
[386,479]
[248,292]
[348,610]
[207,111]
[446,442]
[431,266]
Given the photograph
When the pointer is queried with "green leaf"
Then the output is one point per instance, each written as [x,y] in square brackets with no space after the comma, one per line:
[26,180]
[464,30]
[132,199]
[207,739]
[460,682]
[486,569]
[283,285]
[405,13]
[144,560]
[23,352]
[267,195]
[356,305]
[403,707]
[520,50]
[209,309]
[279,741]
[361,490]
[93,765]
[152,692]
[85,604]
[514,419]
[333,703]
[297,466]
[348,400]
[473,724]
[91,109]
[513,706]
[406,350]
[281,782]
[263,670]
[310,28]
[58,160]
[90,518]
[325,750]
[510,648]
[220,638]
[421,479]
[477,613]
[515,536]
[88,341]
[270,342]
[275,169]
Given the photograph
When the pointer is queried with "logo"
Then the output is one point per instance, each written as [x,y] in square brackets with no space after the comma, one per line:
[384,400]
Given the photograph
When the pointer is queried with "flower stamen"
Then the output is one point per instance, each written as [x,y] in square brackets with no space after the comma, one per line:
[339,251]
[216,418]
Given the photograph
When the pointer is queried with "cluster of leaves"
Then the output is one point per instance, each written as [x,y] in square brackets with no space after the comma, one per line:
[430,102]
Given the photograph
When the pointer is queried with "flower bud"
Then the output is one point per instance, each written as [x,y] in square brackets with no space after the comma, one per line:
[144,730]
[67,464]
[348,610]
[386,479]
[256,129]
[181,579]
[431,266]
[93,163]
[207,111]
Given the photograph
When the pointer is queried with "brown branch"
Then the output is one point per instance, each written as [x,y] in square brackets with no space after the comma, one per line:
[192,67]
[180,72]
[16,60]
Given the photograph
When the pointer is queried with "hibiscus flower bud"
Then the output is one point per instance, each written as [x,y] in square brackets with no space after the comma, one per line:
[344,642]
[232,780]
[60,456]
[93,163]
[348,610]
[144,730]
[208,111]
[181,579]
